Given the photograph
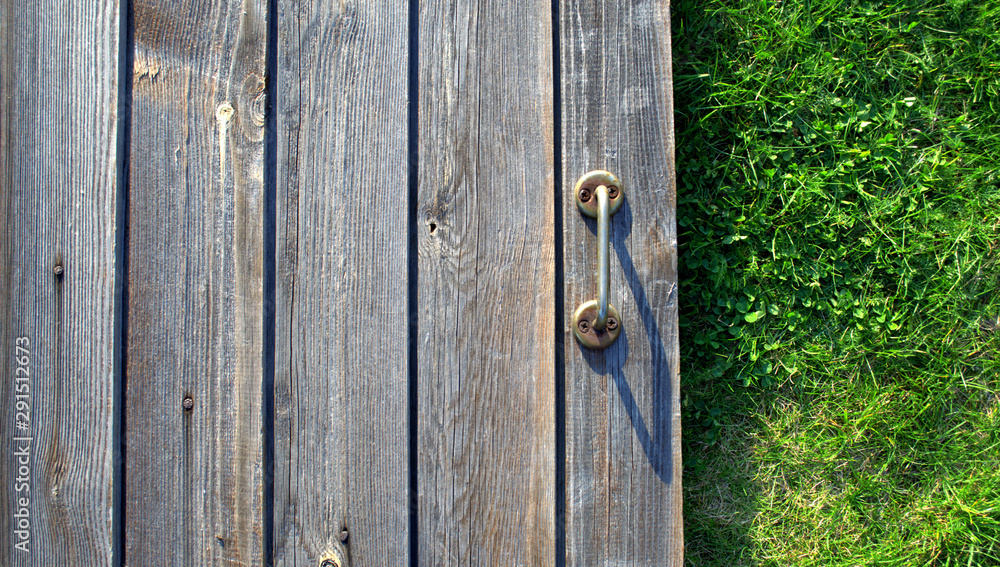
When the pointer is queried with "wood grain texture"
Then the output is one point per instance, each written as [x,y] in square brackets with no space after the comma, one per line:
[194,478]
[58,113]
[341,292]
[486,470]
[623,470]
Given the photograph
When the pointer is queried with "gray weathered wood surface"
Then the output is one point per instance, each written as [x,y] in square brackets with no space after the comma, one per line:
[58,141]
[623,465]
[341,332]
[485,352]
[196,306]
[194,477]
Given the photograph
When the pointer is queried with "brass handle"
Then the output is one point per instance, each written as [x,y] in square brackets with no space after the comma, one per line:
[596,323]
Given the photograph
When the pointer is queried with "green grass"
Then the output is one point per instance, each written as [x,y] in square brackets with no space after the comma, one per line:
[839,216]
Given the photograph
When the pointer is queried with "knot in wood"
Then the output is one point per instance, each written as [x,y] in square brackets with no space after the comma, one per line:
[224,113]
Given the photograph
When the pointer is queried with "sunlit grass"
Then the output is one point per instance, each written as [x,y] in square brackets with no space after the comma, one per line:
[839,211]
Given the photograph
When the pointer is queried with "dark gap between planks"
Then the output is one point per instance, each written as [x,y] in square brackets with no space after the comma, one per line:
[412,139]
[126,31]
[269,304]
[559,344]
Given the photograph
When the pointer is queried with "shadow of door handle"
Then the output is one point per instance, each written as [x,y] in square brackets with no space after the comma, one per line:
[599,194]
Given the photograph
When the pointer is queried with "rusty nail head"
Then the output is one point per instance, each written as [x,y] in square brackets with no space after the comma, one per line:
[343,536]
[584,195]
[188,403]
[57,269]
[612,323]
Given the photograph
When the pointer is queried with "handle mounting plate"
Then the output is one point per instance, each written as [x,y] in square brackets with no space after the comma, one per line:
[583,326]
[586,192]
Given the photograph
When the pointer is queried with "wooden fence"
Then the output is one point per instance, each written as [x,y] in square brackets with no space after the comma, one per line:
[291,283]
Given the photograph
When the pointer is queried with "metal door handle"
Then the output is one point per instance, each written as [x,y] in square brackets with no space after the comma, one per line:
[596,323]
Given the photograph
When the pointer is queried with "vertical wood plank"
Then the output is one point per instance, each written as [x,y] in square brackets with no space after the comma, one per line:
[194,476]
[58,141]
[486,469]
[623,471]
[341,285]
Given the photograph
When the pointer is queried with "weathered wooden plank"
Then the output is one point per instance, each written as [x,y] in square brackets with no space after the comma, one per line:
[58,136]
[623,471]
[341,291]
[486,470]
[194,475]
